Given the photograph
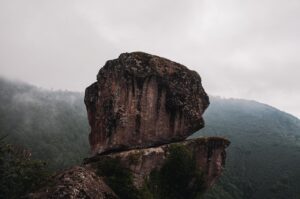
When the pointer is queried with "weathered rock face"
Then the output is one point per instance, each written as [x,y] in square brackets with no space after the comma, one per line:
[77,182]
[140,110]
[209,154]
[141,100]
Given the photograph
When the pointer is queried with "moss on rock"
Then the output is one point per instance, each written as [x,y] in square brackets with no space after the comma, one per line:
[178,178]
[118,178]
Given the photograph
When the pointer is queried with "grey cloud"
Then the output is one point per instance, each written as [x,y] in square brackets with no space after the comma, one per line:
[245,49]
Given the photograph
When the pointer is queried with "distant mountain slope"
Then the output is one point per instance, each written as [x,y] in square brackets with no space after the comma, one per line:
[52,124]
[262,161]
[264,156]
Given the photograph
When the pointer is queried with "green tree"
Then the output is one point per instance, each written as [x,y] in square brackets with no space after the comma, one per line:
[19,174]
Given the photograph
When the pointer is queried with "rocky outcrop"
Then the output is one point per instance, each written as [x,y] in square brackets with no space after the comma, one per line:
[77,182]
[142,100]
[84,181]
[141,110]
[209,154]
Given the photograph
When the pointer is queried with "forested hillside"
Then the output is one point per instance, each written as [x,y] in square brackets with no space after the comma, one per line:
[262,161]
[51,124]
[264,156]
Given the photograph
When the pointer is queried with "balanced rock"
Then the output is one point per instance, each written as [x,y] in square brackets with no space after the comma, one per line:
[141,110]
[141,100]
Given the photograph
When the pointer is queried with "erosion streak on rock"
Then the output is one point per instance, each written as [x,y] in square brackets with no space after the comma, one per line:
[142,100]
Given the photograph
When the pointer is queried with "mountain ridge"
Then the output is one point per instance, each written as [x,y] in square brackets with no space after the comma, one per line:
[265,141]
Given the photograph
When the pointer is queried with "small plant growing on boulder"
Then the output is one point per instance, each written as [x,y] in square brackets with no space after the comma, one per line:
[118,178]
[178,178]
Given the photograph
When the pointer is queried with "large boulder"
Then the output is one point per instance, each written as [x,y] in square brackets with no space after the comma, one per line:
[141,100]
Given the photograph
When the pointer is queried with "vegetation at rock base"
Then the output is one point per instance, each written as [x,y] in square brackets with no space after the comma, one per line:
[19,174]
[178,178]
[118,178]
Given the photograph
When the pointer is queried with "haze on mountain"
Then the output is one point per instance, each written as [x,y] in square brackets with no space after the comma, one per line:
[262,160]
[243,49]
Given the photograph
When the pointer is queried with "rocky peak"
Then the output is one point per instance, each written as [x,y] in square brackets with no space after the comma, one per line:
[141,100]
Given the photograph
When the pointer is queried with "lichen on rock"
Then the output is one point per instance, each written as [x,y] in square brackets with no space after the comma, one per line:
[141,100]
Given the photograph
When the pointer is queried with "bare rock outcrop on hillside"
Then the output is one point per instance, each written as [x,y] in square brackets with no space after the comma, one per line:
[141,110]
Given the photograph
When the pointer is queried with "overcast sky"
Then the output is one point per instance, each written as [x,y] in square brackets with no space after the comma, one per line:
[241,48]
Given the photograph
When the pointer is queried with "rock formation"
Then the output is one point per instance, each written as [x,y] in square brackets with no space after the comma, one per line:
[209,154]
[142,100]
[141,110]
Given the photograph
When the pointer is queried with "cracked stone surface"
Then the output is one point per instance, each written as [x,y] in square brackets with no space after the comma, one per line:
[141,100]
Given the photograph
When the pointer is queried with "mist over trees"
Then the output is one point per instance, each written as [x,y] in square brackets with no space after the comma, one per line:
[51,124]
[262,161]
[264,156]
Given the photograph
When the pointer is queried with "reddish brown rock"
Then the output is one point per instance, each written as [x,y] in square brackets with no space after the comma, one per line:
[140,110]
[142,100]
[209,154]
[77,182]
[83,181]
